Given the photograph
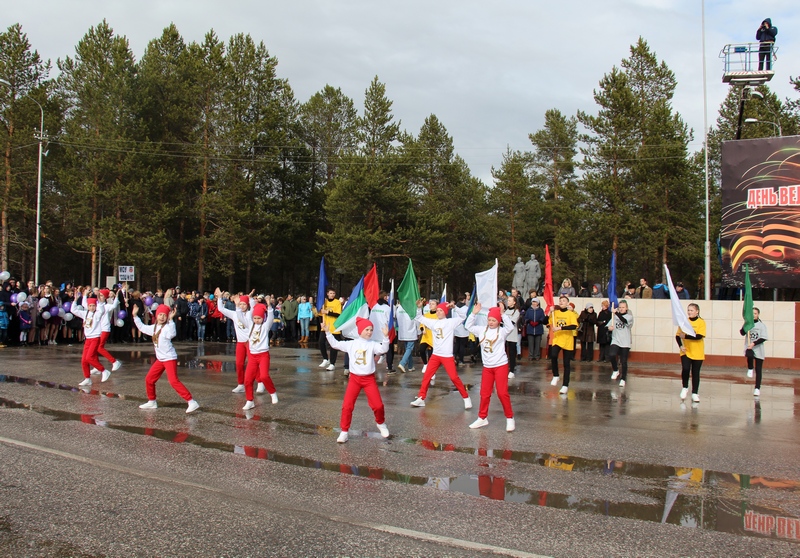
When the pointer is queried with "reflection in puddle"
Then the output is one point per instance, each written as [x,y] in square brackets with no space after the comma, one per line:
[690,497]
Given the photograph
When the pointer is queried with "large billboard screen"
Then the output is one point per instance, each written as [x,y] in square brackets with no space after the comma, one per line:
[761,212]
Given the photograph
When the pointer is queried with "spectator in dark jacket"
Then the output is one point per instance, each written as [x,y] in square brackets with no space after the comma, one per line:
[534,328]
[766,36]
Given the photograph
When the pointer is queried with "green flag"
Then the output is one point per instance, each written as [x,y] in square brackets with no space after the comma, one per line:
[747,308]
[408,291]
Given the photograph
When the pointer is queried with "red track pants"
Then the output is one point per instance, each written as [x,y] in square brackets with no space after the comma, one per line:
[171,366]
[101,349]
[89,358]
[489,377]
[449,364]
[257,365]
[242,350]
[354,386]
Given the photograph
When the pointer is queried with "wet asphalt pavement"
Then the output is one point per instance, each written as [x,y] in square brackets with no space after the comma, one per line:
[603,471]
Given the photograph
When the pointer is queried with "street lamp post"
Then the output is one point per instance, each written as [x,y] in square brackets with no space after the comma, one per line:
[757,121]
[38,184]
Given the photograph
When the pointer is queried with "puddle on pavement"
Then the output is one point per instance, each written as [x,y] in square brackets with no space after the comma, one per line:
[689,497]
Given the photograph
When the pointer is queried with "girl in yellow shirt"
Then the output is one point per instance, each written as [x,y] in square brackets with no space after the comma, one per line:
[692,352]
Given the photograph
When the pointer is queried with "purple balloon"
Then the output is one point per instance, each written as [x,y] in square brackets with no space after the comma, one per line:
[54,311]
[67,306]
[13,298]
[148,301]
[122,314]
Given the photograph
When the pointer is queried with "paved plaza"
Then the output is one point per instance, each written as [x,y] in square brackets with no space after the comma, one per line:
[603,471]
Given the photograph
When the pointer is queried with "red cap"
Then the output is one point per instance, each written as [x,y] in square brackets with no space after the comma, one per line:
[572,305]
[362,324]
[443,306]
[104,292]
[494,312]
[162,309]
[260,310]
[91,300]
[245,300]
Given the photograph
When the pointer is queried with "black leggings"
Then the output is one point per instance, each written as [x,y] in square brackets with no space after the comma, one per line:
[688,365]
[554,350]
[425,352]
[759,363]
[622,352]
[511,351]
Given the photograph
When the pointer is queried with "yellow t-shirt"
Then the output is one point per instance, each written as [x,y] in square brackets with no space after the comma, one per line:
[334,306]
[562,338]
[695,348]
[427,334]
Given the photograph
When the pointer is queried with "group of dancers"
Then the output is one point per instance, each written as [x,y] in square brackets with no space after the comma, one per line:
[252,323]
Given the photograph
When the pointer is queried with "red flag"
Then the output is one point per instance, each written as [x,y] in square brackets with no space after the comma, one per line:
[548,280]
[371,289]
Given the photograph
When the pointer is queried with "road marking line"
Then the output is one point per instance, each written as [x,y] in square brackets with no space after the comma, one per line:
[410,533]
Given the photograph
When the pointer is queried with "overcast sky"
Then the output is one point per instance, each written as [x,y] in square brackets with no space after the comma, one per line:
[488,69]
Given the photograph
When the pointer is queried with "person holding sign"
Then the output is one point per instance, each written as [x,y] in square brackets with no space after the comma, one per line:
[692,352]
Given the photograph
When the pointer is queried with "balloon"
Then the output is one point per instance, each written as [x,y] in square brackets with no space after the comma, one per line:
[67,306]
[122,314]
[154,306]
[120,323]
[61,312]
[54,311]
[43,302]
[46,315]
[13,298]
[21,297]
[4,276]
[68,317]
[148,301]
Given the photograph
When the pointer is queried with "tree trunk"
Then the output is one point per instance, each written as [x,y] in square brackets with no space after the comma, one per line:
[6,196]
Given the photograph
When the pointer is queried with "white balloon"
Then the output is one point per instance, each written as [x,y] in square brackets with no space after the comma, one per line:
[154,306]
[120,323]
[21,297]
[43,302]
[61,313]
[4,276]
[46,315]
[68,316]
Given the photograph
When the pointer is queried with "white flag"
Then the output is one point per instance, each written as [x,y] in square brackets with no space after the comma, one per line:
[679,317]
[486,292]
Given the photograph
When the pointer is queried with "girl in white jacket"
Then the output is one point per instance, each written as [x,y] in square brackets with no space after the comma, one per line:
[92,329]
[162,332]
[492,340]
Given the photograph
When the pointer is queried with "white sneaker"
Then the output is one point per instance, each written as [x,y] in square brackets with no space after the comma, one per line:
[615,375]
[424,368]
[149,405]
[433,380]
[695,398]
[116,366]
[106,375]
[94,372]
[479,423]
[346,371]
[401,368]
[248,405]
[86,382]
[563,390]
[238,389]
[511,376]
[330,368]
[684,393]
[382,359]
[418,402]
[510,425]
[325,363]
[261,388]
[467,402]
[274,397]
[749,373]
[384,430]
[554,381]
[756,392]
[342,437]
[193,406]
[622,383]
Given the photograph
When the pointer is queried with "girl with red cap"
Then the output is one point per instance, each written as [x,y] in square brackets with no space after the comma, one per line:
[442,329]
[257,325]
[492,339]
[108,312]
[92,329]
[239,317]
[162,332]
[362,373]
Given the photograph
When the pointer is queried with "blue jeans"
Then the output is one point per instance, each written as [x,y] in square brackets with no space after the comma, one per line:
[201,330]
[304,326]
[406,361]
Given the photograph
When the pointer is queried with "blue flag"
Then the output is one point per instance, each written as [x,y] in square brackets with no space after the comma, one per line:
[323,285]
[471,302]
[612,283]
